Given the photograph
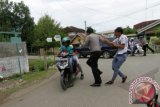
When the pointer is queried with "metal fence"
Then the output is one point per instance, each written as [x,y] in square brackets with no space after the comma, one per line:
[156,48]
[10,58]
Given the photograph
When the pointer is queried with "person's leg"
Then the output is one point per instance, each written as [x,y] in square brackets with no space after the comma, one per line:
[89,63]
[94,59]
[147,46]
[116,64]
[98,72]
[78,66]
[124,57]
[144,48]
[134,49]
[97,55]
[114,61]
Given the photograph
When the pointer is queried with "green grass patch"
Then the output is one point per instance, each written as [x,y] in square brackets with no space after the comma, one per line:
[38,64]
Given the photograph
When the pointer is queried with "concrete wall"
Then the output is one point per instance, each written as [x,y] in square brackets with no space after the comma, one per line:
[9,64]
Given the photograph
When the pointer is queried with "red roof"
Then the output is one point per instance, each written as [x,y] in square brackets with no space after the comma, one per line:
[73,29]
[143,24]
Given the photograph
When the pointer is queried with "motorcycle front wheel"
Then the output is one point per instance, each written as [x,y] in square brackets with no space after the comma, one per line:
[63,80]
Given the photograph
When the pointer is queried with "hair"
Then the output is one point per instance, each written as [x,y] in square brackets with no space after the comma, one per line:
[119,29]
[90,30]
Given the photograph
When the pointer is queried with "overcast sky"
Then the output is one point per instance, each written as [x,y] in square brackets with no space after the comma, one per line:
[102,15]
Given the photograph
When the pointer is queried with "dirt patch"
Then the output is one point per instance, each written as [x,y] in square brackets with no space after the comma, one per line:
[10,86]
[6,84]
[7,87]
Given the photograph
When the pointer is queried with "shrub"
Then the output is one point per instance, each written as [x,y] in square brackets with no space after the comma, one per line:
[155,40]
[38,65]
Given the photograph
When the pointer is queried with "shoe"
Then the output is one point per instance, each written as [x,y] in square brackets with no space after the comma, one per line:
[124,79]
[95,85]
[132,55]
[82,76]
[109,82]
[144,55]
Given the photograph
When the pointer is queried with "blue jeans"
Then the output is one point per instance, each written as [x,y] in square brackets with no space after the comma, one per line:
[117,62]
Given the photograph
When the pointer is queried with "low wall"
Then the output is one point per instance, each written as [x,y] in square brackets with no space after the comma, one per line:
[9,63]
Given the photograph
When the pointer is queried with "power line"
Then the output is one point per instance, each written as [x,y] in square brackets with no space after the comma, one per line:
[95,10]
[127,14]
[70,12]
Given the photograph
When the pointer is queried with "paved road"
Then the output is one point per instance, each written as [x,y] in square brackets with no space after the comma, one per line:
[50,94]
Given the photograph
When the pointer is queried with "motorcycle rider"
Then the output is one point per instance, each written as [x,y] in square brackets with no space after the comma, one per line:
[136,42]
[132,45]
[67,48]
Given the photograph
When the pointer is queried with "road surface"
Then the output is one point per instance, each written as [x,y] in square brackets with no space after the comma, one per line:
[50,94]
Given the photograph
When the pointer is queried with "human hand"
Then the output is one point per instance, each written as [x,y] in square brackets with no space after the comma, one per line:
[102,39]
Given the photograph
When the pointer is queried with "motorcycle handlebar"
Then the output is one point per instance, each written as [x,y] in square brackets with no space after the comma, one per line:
[68,55]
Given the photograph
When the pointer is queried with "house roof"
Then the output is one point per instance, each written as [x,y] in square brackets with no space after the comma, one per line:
[131,35]
[82,35]
[70,29]
[143,24]
[107,32]
[149,26]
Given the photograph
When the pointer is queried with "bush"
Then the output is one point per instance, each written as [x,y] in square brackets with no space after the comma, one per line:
[38,65]
[50,62]
[50,53]
[1,78]
[155,40]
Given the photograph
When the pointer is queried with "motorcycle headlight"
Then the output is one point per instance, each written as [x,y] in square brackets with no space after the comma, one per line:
[63,62]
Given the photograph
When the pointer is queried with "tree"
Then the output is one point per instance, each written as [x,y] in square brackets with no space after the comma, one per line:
[46,27]
[129,30]
[16,16]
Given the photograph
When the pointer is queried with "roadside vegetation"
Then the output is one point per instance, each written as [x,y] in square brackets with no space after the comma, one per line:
[36,75]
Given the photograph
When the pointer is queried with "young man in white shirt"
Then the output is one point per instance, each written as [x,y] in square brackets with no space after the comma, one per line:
[121,42]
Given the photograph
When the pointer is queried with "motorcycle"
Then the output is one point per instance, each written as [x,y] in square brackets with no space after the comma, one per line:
[68,70]
[139,49]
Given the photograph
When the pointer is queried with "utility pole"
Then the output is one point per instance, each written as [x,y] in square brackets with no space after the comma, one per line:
[85,24]
[146,10]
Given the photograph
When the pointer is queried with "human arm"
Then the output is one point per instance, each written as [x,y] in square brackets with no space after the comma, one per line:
[86,42]
[112,44]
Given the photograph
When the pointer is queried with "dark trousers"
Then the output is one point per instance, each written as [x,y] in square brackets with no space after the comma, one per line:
[134,49]
[93,63]
[145,48]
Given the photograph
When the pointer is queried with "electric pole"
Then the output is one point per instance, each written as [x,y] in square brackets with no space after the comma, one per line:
[85,24]
[146,10]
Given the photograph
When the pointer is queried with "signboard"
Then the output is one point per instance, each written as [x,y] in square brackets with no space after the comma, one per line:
[49,39]
[57,37]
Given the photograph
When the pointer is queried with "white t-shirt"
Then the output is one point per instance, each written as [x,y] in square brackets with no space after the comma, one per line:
[122,40]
